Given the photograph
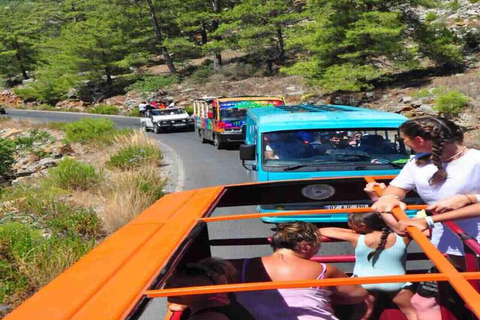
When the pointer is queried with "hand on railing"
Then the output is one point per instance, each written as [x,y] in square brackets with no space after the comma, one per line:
[452,203]
[420,223]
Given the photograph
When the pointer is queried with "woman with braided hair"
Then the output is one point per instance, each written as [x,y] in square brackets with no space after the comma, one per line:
[446,175]
[378,252]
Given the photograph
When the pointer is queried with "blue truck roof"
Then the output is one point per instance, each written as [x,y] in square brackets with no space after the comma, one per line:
[304,117]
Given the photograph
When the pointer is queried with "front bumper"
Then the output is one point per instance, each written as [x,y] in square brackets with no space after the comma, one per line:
[174,125]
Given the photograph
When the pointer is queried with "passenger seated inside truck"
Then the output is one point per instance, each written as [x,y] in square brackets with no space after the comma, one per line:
[375,144]
[336,142]
[286,146]
[219,306]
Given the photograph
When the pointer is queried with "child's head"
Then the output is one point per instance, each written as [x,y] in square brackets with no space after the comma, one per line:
[301,237]
[366,222]
[209,271]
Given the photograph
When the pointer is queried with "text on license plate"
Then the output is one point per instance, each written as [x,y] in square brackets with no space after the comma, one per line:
[346,206]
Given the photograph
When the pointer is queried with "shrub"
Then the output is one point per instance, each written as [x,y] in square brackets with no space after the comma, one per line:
[72,222]
[454,5]
[18,242]
[189,109]
[29,261]
[61,126]
[202,74]
[129,194]
[153,83]
[431,16]
[452,102]
[132,156]
[26,143]
[6,156]
[104,109]
[85,130]
[71,174]
[134,113]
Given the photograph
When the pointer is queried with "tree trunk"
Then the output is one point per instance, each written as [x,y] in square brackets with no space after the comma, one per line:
[158,32]
[217,60]
[203,32]
[217,55]
[280,44]
[269,69]
[19,59]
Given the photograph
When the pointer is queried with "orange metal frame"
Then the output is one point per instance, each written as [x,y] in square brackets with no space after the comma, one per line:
[109,281]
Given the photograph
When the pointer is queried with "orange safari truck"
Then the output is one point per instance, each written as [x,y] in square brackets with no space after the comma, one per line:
[121,278]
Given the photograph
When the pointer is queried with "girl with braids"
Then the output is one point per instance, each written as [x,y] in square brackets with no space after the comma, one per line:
[294,244]
[446,175]
[378,251]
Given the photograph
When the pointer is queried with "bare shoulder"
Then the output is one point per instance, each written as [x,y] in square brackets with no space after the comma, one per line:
[334,272]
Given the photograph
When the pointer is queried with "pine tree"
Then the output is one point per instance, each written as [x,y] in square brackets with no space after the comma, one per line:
[18,36]
[356,41]
[257,27]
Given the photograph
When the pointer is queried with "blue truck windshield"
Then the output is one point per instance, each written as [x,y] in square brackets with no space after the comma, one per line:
[333,150]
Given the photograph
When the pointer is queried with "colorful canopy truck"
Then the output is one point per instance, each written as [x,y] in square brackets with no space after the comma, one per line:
[124,277]
[222,120]
[310,141]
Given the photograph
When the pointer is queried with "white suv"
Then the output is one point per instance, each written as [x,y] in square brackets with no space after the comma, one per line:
[166,119]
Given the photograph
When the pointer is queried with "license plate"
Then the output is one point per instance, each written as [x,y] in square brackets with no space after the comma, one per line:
[346,206]
[179,124]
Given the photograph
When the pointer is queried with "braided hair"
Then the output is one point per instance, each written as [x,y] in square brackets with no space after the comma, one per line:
[440,131]
[372,221]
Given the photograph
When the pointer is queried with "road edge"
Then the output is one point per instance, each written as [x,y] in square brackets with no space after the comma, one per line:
[171,156]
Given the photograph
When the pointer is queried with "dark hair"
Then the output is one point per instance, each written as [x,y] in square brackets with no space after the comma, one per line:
[290,235]
[373,221]
[440,131]
[196,270]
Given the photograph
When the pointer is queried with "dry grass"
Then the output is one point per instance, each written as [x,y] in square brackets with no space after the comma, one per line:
[137,138]
[128,194]
[467,83]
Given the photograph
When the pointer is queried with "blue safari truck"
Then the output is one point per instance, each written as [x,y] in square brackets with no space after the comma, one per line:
[312,141]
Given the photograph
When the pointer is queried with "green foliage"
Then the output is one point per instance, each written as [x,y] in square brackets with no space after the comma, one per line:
[133,156]
[431,16]
[452,102]
[202,74]
[424,93]
[7,150]
[19,34]
[85,130]
[189,109]
[369,38]
[61,126]
[74,222]
[27,142]
[104,109]
[154,83]
[349,77]
[454,5]
[29,261]
[134,113]
[71,174]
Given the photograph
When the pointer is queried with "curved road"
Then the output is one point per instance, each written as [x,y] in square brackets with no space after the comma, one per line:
[192,165]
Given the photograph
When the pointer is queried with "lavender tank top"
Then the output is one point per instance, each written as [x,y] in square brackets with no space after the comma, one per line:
[287,304]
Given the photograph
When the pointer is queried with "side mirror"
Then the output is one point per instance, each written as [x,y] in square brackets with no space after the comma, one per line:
[210,115]
[247,152]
